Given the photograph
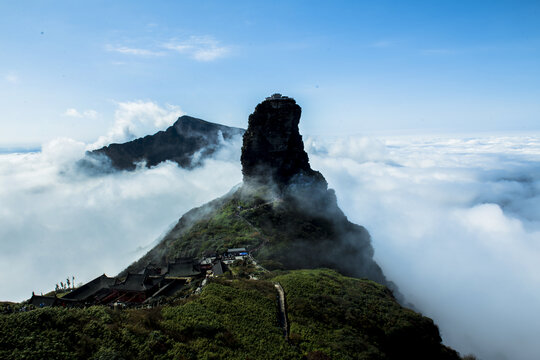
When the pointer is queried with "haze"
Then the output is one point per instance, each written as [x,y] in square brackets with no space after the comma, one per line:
[423,116]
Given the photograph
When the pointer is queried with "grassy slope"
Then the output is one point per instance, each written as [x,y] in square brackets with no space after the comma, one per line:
[213,227]
[348,318]
[229,320]
[330,316]
[293,237]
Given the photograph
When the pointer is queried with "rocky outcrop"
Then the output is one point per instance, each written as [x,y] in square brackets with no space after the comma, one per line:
[179,143]
[284,212]
[273,150]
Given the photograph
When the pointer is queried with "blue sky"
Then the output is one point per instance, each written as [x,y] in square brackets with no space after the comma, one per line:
[355,67]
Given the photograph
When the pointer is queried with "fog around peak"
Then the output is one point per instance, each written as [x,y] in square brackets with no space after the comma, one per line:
[454,222]
[57,221]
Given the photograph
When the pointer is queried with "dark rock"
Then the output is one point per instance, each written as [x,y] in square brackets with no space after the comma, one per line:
[284,212]
[273,150]
[179,143]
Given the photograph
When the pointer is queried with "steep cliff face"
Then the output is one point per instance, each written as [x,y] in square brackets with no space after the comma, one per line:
[288,219]
[284,212]
[273,150]
[178,143]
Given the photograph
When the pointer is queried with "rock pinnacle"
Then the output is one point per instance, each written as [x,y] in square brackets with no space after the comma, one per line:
[273,150]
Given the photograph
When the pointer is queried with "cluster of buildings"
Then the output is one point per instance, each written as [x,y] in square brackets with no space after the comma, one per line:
[148,286]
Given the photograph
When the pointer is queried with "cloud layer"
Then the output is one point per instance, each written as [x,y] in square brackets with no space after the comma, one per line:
[56,222]
[455,222]
[200,48]
[133,119]
[89,114]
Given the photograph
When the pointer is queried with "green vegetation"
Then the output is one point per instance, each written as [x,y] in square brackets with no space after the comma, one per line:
[348,318]
[330,316]
[229,320]
[212,228]
[224,229]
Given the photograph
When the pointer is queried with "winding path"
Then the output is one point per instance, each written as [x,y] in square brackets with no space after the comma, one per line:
[281,294]
[282,311]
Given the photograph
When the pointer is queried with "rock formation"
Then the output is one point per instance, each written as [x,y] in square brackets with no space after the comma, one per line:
[284,212]
[178,143]
[273,150]
[288,219]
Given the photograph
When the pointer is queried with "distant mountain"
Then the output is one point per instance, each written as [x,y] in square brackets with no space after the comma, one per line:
[179,143]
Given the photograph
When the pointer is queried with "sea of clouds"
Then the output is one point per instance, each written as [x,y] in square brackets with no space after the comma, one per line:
[455,220]
[57,221]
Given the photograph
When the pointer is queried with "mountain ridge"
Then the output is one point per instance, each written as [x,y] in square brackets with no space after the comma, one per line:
[178,143]
[336,301]
[283,209]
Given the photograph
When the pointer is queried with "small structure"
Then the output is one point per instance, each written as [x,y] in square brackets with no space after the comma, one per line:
[41,301]
[206,263]
[150,283]
[237,252]
[277,96]
[169,289]
[151,270]
[218,268]
[135,289]
[93,291]
[182,268]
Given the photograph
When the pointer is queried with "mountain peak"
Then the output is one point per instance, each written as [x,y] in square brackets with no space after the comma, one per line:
[178,143]
[189,126]
[273,150]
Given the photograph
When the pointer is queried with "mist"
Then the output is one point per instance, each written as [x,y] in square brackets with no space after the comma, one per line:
[455,223]
[57,222]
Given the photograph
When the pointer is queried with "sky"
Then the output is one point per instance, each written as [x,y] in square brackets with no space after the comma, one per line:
[356,67]
[423,116]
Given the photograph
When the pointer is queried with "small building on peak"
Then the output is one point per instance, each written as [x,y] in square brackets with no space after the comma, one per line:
[237,252]
[277,96]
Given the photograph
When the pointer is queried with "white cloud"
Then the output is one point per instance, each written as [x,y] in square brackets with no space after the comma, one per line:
[456,224]
[439,51]
[56,222]
[72,113]
[11,78]
[201,48]
[133,119]
[89,114]
[133,51]
[383,44]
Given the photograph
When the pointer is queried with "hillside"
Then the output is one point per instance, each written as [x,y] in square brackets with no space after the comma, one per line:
[331,317]
[306,288]
[281,230]
[283,212]
[187,142]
